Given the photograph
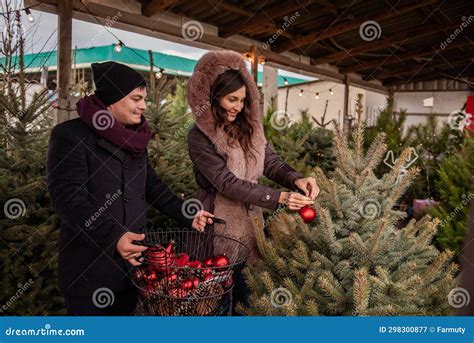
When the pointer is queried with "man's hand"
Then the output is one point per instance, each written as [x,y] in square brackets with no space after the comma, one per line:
[201,219]
[128,250]
[309,186]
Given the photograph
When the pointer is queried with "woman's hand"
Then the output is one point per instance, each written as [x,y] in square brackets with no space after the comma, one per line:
[201,219]
[309,186]
[294,201]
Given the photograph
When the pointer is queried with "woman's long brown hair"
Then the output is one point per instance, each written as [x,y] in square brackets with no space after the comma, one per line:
[240,129]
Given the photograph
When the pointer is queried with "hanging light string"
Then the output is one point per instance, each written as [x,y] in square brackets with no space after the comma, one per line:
[248,57]
[31,19]
[262,60]
[316,94]
[120,44]
[27,11]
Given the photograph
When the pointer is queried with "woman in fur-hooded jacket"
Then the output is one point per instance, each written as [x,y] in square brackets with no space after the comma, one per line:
[230,153]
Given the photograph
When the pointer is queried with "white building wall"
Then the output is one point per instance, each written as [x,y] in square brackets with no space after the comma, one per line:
[443,104]
[372,101]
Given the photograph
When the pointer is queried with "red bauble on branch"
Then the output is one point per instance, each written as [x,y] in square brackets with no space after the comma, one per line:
[307,213]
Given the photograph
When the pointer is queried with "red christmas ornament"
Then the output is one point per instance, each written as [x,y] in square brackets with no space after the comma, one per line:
[182,260]
[171,278]
[160,258]
[208,262]
[220,261]
[206,271]
[307,213]
[195,264]
[187,284]
[151,276]
[196,282]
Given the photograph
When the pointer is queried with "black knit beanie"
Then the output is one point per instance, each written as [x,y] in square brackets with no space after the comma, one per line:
[113,81]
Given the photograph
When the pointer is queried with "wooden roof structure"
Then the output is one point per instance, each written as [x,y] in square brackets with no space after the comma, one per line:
[409,47]
[375,45]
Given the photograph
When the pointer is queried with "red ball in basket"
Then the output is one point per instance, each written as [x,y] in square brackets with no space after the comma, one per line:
[177,278]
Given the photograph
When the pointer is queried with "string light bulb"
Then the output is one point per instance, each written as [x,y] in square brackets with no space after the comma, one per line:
[118,46]
[317,96]
[29,15]
[331,92]
[249,57]
[285,81]
[301,92]
[159,74]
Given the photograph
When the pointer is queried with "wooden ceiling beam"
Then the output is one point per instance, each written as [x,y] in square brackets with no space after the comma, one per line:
[300,41]
[278,59]
[328,5]
[417,68]
[266,17]
[159,28]
[399,58]
[397,38]
[157,6]
[429,75]
[220,4]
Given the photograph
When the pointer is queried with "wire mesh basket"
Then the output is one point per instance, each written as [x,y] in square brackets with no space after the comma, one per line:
[188,273]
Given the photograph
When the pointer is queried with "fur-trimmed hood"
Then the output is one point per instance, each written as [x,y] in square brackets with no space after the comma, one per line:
[208,68]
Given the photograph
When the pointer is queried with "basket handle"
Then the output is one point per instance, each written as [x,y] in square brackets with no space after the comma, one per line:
[218,220]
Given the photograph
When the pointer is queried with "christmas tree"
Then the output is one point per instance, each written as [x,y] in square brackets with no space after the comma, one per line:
[28,227]
[352,260]
[391,124]
[300,144]
[280,134]
[318,146]
[433,142]
[454,184]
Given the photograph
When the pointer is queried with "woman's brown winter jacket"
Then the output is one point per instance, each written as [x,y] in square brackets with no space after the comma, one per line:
[228,184]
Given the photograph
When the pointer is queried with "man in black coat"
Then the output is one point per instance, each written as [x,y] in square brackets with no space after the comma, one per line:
[101,185]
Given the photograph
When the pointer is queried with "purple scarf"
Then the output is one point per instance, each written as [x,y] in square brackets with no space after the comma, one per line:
[132,138]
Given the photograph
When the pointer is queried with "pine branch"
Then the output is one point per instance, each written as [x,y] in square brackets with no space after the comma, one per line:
[361,292]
